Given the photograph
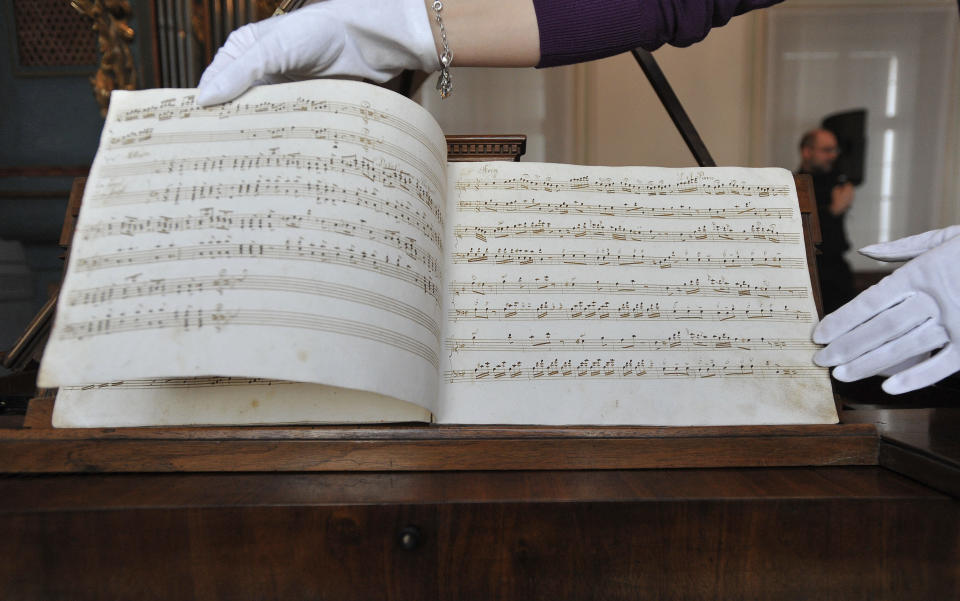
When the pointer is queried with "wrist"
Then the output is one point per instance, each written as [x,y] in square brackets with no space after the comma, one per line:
[493,33]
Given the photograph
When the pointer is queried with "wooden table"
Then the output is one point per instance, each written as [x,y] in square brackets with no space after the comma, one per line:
[854,511]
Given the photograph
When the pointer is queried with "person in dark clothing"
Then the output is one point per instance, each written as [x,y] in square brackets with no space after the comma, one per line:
[818,151]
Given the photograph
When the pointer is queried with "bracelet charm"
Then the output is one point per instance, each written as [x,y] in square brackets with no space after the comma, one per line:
[444,82]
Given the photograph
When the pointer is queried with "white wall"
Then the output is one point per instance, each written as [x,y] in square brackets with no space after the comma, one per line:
[538,103]
[627,125]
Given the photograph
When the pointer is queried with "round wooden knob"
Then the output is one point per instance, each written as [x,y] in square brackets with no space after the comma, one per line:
[410,538]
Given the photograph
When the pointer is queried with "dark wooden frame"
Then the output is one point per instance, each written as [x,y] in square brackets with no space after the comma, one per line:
[427,448]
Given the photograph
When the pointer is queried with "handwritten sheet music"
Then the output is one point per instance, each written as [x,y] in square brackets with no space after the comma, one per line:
[267,260]
[592,295]
[280,236]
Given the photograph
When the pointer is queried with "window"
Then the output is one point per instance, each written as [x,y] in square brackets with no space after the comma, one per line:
[897,62]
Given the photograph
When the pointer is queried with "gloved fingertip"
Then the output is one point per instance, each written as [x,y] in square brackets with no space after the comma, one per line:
[896,385]
[206,95]
[823,333]
[909,247]
[843,374]
[205,78]
[888,255]
[211,93]
[823,358]
[874,251]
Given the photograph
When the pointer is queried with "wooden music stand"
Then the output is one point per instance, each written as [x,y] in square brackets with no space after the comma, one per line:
[430,447]
[431,512]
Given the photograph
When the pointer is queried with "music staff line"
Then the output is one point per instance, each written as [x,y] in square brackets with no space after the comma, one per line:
[326,194]
[594,311]
[368,261]
[385,175]
[599,369]
[676,342]
[198,319]
[146,137]
[709,287]
[189,109]
[227,221]
[625,210]
[176,383]
[190,286]
[591,231]
[699,184]
[507,256]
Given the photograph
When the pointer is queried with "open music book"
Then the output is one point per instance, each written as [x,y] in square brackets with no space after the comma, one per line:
[305,254]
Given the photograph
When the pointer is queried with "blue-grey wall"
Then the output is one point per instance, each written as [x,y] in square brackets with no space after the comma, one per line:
[47,119]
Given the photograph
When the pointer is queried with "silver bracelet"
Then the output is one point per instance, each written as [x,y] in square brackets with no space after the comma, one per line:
[444,83]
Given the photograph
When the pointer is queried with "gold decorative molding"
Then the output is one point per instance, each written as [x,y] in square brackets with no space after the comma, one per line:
[117,70]
[200,24]
[265,9]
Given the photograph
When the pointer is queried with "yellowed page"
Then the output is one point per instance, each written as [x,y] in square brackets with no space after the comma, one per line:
[223,401]
[596,295]
[292,234]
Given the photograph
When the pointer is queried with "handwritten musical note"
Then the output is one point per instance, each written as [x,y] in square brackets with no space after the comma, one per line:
[150,136]
[388,176]
[323,193]
[229,221]
[604,310]
[676,342]
[217,318]
[502,256]
[189,109]
[695,183]
[591,231]
[225,282]
[293,250]
[599,369]
[708,286]
[626,209]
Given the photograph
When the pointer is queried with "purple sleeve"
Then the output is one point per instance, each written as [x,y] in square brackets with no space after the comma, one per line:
[573,31]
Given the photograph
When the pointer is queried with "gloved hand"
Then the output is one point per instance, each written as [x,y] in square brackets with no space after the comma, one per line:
[914,310]
[372,39]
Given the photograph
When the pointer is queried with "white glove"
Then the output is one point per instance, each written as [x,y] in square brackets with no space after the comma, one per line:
[912,311]
[372,39]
